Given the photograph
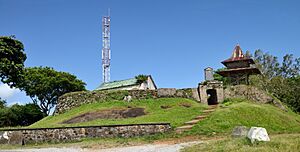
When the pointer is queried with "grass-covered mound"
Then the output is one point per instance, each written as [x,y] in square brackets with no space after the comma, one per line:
[246,113]
[173,110]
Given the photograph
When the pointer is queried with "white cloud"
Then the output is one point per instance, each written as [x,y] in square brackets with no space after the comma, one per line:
[16,102]
[7,92]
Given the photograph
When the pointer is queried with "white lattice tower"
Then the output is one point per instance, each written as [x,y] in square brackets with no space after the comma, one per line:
[106,48]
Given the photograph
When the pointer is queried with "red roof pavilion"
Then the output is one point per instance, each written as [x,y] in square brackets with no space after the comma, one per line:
[239,66]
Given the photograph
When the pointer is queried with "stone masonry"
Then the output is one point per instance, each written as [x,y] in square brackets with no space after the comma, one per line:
[211,85]
[24,136]
[75,99]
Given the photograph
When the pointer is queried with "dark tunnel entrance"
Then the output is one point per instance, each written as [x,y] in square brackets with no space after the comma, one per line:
[212,98]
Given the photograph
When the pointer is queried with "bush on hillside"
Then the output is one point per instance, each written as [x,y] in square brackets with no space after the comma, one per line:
[20,115]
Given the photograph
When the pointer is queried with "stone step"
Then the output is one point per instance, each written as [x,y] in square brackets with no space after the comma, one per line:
[192,122]
[209,110]
[183,128]
[201,117]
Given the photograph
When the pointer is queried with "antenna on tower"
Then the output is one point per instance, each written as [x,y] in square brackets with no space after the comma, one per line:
[106,47]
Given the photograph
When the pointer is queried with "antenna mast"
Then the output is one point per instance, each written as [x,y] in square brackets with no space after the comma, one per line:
[106,48]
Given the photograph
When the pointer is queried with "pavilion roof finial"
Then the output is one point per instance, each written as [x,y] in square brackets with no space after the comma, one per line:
[237,52]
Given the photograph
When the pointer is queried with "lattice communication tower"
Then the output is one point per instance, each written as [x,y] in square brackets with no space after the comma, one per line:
[106,48]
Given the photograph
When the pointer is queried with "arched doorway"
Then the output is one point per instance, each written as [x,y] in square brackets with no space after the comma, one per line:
[212,98]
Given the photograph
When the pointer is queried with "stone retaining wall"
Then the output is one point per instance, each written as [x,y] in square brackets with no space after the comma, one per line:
[24,136]
[75,99]
[248,92]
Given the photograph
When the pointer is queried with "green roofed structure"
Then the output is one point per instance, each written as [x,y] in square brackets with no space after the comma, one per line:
[129,84]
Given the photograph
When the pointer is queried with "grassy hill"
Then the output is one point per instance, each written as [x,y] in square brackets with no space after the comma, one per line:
[179,110]
[173,110]
[248,114]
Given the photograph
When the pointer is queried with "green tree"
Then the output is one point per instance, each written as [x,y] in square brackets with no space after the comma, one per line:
[293,96]
[12,58]
[44,85]
[8,117]
[31,114]
[20,115]
[27,114]
[268,64]
[2,103]
[290,66]
[270,67]
[280,79]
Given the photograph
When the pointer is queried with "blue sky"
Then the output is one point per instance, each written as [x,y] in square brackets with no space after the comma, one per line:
[173,40]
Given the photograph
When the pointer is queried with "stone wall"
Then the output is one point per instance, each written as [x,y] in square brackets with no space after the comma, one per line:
[75,99]
[249,92]
[252,93]
[24,136]
[190,93]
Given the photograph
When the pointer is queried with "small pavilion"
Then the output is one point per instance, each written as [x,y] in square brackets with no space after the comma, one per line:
[239,67]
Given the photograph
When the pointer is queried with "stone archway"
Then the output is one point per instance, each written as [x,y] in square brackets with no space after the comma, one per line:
[211,92]
[212,97]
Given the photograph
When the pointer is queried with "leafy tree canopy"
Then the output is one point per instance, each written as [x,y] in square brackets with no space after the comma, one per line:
[2,103]
[12,58]
[270,67]
[44,85]
[20,115]
[280,79]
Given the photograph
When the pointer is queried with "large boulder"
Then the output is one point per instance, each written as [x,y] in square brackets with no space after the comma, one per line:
[240,131]
[258,134]
[11,137]
[4,138]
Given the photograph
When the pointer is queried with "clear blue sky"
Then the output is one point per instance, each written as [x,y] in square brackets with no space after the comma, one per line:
[173,40]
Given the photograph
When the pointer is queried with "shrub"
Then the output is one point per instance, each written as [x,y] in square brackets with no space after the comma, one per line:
[141,78]
[20,115]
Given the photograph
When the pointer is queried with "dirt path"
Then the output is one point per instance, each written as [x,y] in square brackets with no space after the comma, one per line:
[140,148]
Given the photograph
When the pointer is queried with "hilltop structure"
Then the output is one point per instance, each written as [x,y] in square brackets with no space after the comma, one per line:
[129,84]
[210,91]
[239,67]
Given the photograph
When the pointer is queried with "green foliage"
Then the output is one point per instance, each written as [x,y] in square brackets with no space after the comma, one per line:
[20,115]
[270,67]
[2,103]
[8,117]
[287,90]
[12,58]
[44,85]
[279,79]
[177,114]
[218,77]
[141,78]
